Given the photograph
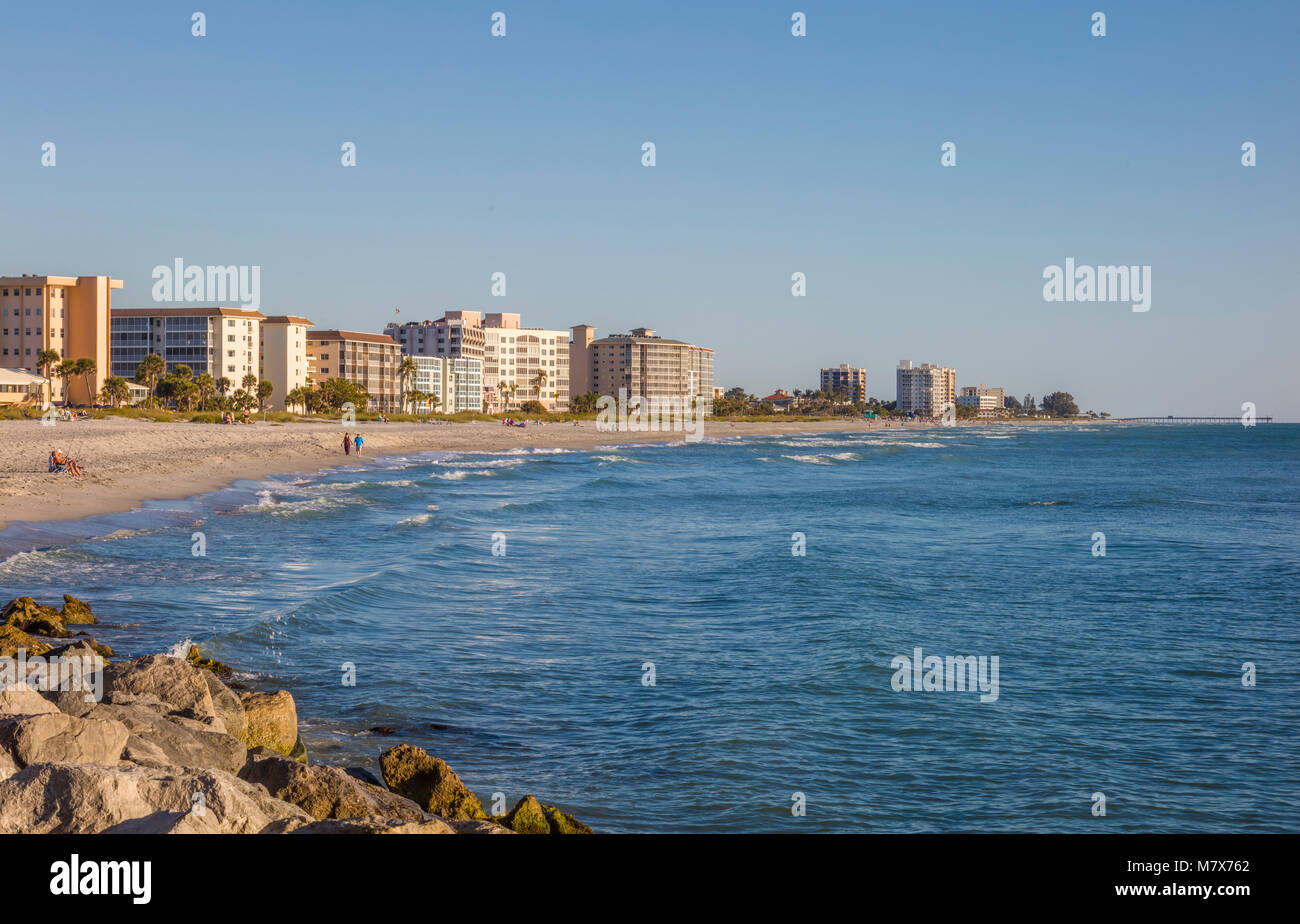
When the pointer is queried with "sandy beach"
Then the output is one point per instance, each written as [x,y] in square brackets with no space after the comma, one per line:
[129,461]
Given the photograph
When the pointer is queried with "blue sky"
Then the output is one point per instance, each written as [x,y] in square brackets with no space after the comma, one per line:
[775,154]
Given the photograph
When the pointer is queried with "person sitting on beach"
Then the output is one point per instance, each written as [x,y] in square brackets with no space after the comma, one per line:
[61,463]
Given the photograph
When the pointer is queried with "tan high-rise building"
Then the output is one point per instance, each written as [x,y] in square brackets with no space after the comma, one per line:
[580,377]
[642,363]
[223,342]
[284,355]
[66,314]
[925,388]
[853,380]
[368,360]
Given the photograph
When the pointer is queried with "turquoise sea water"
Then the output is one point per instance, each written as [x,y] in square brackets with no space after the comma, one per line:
[526,671]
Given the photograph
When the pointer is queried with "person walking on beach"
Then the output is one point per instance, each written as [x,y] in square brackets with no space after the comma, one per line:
[357,441]
[347,444]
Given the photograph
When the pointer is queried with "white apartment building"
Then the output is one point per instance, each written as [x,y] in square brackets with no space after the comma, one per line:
[925,388]
[223,342]
[284,355]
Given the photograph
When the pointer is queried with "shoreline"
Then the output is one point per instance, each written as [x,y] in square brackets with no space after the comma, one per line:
[130,462]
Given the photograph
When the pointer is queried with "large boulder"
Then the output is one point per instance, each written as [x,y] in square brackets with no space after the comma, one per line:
[227,705]
[170,679]
[60,798]
[21,699]
[376,824]
[185,742]
[429,782]
[57,736]
[271,720]
[327,792]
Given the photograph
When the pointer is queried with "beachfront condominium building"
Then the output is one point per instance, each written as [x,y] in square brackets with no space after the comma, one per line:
[451,384]
[847,380]
[223,342]
[518,363]
[643,364]
[524,364]
[985,401]
[367,360]
[463,384]
[284,355]
[427,382]
[925,389]
[456,334]
[66,314]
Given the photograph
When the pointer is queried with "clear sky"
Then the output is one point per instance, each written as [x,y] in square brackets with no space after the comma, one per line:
[775,155]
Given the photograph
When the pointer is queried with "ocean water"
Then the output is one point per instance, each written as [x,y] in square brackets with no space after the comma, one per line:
[773,673]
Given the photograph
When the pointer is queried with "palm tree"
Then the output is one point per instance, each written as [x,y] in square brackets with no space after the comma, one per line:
[45,360]
[223,386]
[514,387]
[264,391]
[65,370]
[539,382]
[406,370]
[502,388]
[115,391]
[249,383]
[87,368]
[206,386]
[149,371]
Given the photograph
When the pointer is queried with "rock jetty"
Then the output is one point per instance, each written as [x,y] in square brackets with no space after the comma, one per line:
[164,746]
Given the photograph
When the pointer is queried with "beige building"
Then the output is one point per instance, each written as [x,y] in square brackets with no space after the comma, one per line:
[513,359]
[368,360]
[925,389]
[284,355]
[642,363]
[987,402]
[511,356]
[223,342]
[852,379]
[66,314]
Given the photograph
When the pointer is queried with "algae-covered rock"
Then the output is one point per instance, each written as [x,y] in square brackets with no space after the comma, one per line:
[410,771]
[271,721]
[31,617]
[527,817]
[207,664]
[299,752]
[531,817]
[564,824]
[327,792]
[14,640]
[76,612]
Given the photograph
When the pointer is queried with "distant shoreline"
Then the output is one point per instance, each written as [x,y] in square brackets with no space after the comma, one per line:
[129,462]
